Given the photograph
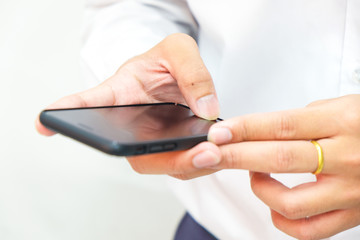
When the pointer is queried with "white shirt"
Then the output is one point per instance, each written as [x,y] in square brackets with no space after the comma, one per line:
[263,56]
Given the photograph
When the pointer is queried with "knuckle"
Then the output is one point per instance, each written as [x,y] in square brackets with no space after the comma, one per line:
[230,158]
[179,38]
[284,159]
[244,129]
[291,209]
[285,127]
[351,195]
[177,41]
[303,230]
[351,119]
[353,160]
[196,78]
[194,74]
[351,115]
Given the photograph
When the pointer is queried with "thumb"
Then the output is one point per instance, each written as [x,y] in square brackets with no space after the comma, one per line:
[100,95]
[182,59]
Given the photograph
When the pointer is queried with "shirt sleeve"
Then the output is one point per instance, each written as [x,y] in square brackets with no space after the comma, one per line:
[116,30]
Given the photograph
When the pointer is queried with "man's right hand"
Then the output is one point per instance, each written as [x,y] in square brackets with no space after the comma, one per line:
[172,71]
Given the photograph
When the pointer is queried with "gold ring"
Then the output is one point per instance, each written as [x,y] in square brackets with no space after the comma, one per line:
[320,157]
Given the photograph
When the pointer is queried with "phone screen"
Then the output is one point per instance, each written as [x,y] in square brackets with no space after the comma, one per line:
[132,124]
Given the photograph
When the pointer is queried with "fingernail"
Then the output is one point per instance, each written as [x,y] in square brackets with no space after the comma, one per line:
[205,159]
[208,107]
[219,135]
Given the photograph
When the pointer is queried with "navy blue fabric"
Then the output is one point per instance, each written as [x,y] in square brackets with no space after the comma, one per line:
[189,229]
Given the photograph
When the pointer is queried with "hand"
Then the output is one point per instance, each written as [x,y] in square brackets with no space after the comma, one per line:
[172,71]
[279,143]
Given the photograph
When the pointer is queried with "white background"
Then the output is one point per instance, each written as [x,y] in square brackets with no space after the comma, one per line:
[55,188]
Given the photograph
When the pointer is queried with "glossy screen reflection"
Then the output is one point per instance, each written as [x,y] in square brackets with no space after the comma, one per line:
[137,123]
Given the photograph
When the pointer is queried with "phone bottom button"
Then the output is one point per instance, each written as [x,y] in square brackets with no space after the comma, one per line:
[169,146]
[156,148]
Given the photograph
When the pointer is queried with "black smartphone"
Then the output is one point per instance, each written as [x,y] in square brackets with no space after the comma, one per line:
[130,129]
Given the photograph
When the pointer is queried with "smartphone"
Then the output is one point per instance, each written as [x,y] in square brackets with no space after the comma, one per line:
[130,129]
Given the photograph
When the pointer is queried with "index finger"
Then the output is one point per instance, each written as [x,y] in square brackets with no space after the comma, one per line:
[298,124]
[101,95]
[178,163]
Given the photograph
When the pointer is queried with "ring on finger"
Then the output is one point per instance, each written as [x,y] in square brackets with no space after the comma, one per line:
[320,157]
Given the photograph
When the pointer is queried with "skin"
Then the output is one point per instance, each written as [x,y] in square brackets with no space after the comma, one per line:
[279,143]
[262,143]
